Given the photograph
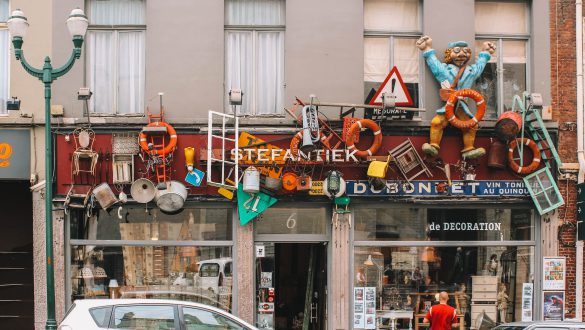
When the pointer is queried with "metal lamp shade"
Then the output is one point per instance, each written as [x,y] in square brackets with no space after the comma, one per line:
[77,23]
[17,24]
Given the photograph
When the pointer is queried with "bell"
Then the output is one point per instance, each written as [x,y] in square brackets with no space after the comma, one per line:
[498,155]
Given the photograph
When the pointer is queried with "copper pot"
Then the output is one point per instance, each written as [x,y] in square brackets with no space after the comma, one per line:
[498,155]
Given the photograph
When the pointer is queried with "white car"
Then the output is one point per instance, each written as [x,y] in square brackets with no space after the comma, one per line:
[148,314]
[542,325]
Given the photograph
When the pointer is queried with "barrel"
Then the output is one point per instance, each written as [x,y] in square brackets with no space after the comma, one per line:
[508,126]
[498,155]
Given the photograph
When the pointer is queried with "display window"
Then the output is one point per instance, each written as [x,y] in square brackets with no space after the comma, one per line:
[140,253]
[483,258]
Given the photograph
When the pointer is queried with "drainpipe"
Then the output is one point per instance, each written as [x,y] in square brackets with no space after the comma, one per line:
[580,151]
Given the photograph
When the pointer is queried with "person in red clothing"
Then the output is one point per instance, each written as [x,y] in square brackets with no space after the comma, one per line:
[441,316]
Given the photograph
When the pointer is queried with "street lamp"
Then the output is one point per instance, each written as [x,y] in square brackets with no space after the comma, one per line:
[77,25]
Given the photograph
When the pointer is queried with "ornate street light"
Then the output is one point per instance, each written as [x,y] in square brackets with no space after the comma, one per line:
[77,24]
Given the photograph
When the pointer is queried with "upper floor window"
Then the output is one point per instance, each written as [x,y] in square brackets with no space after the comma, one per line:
[391,28]
[506,25]
[254,54]
[116,47]
[4,55]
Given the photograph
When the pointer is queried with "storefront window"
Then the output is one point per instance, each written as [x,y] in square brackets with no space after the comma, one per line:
[482,257]
[416,224]
[486,278]
[185,256]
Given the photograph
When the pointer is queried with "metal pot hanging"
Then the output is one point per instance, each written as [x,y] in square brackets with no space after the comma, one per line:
[251,180]
[172,198]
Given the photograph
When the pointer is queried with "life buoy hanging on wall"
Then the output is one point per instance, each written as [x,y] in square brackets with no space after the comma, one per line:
[356,128]
[169,148]
[450,108]
[535,156]
[298,138]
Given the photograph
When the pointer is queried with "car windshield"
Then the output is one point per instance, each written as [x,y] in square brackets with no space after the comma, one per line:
[510,327]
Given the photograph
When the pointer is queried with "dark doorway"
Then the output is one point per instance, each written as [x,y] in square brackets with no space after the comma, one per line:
[16,257]
[298,289]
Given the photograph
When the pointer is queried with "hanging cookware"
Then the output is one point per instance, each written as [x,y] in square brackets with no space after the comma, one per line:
[104,195]
[251,180]
[172,198]
[273,183]
[508,125]
[289,181]
[497,156]
[142,190]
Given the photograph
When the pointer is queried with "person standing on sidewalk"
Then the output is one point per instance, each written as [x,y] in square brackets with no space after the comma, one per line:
[441,316]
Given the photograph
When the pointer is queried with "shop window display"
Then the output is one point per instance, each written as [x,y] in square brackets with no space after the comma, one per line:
[158,256]
[477,279]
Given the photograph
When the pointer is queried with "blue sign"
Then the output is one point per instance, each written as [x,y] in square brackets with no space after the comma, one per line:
[195,177]
[513,188]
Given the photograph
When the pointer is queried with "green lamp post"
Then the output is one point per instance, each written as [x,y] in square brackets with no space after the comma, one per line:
[77,25]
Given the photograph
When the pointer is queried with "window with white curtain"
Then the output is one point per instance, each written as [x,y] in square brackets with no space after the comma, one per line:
[115,50]
[391,28]
[254,54]
[4,56]
[506,25]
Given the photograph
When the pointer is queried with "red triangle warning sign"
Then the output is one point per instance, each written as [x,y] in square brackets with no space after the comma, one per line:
[393,84]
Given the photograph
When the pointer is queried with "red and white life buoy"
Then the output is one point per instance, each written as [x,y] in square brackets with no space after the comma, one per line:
[356,128]
[535,156]
[294,142]
[450,108]
[169,148]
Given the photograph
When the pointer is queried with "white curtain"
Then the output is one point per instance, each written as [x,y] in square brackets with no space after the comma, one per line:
[270,72]
[4,10]
[255,12]
[4,76]
[514,51]
[117,12]
[238,68]
[391,15]
[407,59]
[501,17]
[101,70]
[131,72]
[376,59]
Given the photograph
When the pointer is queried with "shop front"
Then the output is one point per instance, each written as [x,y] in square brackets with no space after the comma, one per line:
[484,257]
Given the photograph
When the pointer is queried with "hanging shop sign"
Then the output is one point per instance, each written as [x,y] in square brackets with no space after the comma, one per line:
[554,273]
[273,157]
[435,188]
[251,205]
[14,154]
[465,226]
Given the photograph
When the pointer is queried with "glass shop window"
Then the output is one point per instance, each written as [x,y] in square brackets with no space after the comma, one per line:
[405,281]
[281,220]
[506,25]
[191,224]
[391,28]
[189,273]
[4,55]
[421,224]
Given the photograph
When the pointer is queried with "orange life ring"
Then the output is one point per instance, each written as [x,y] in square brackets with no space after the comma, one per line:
[450,108]
[356,128]
[169,148]
[535,156]
[294,142]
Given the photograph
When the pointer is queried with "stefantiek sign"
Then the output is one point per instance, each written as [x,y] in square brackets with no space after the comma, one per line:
[429,189]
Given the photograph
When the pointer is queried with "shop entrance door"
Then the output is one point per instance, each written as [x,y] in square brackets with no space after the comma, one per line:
[292,286]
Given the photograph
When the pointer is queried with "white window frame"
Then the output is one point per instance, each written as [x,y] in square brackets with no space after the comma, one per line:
[254,30]
[500,38]
[116,29]
[393,35]
[4,27]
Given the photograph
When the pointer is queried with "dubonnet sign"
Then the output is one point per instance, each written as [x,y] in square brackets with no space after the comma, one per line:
[429,189]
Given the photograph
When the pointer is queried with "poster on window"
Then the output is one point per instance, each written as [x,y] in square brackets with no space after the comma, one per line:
[358,308]
[370,307]
[265,279]
[554,273]
[266,321]
[527,297]
[553,305]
